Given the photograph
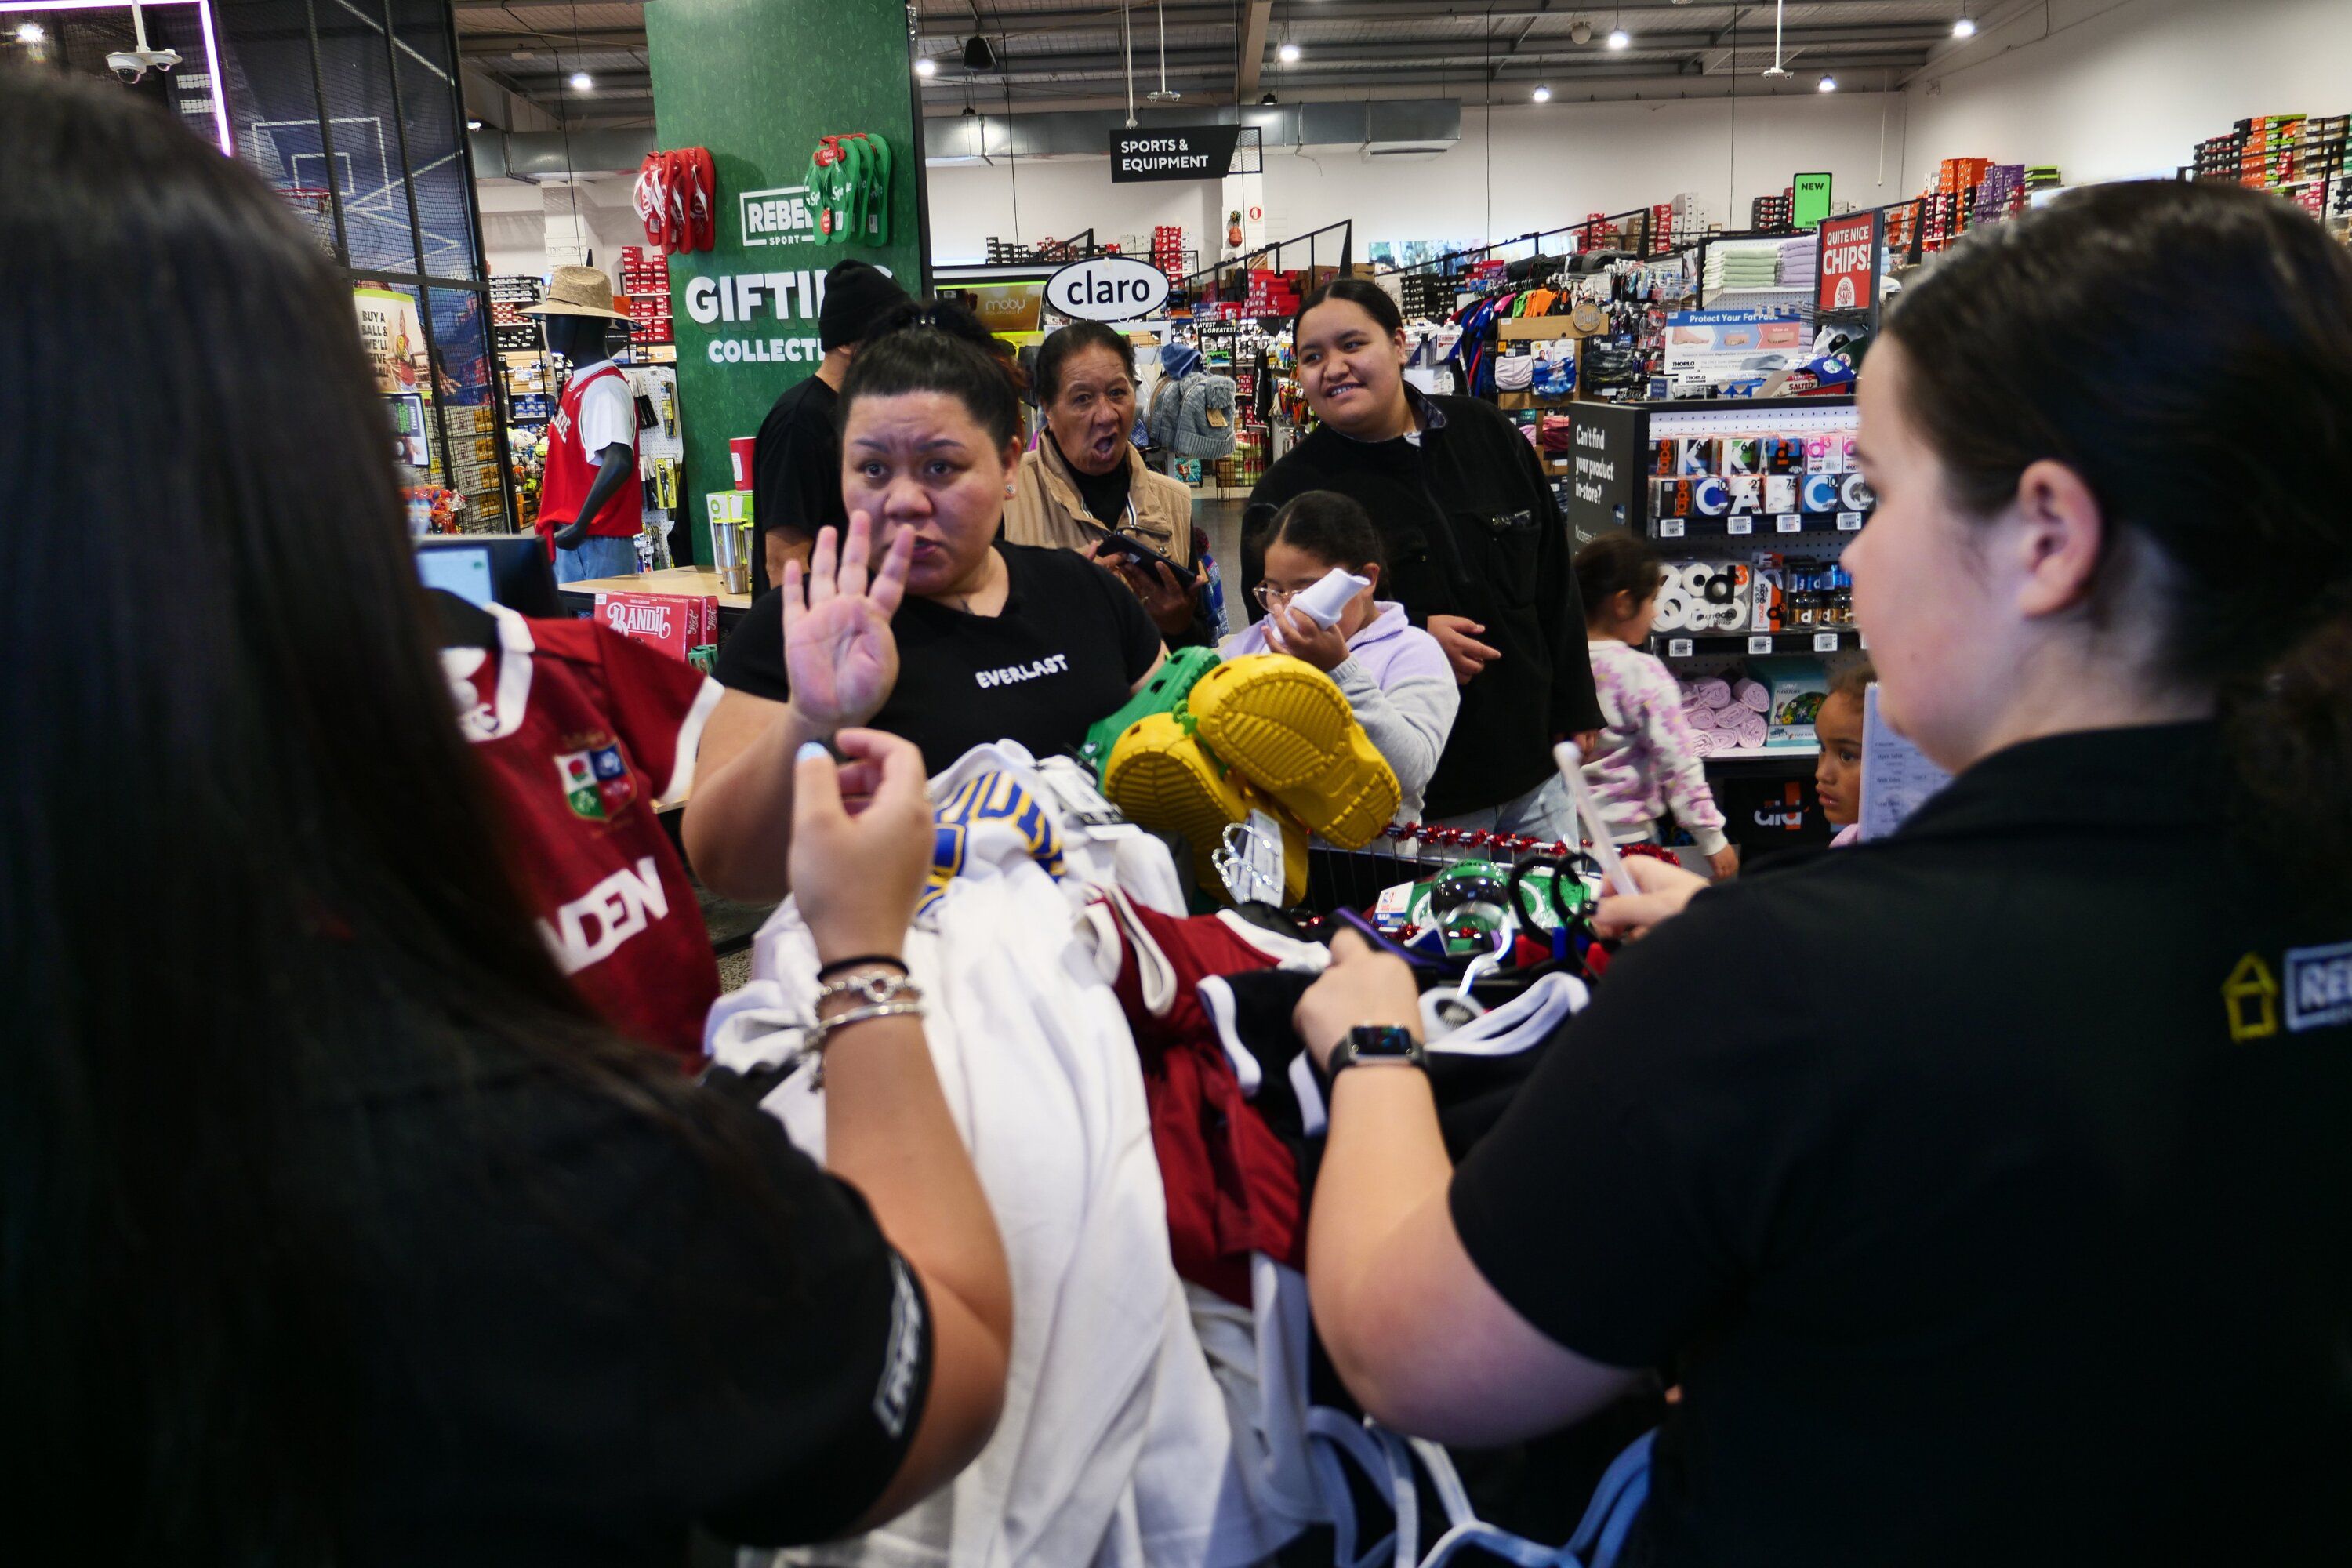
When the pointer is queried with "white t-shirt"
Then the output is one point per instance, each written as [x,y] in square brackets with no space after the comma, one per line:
[608,411]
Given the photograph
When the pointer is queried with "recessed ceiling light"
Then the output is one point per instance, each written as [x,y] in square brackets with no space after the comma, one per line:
[1287,54]
[1964,28]
[1827,84]
[473,124]
[927,66]
[1620,39]
[29,33]
[581,82]
[1541,94]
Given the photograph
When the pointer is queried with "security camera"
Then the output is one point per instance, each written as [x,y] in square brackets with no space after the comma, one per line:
[131,65]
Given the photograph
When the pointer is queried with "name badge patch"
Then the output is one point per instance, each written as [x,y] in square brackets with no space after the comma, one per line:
[2318,986]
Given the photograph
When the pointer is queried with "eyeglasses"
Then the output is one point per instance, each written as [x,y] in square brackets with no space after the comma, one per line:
[1274,598]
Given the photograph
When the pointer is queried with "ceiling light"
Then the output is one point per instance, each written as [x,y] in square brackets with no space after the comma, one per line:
[1541,95]
[581,82]
[927,67]
[1579,31]
[1620,39]
[1964,28]
[977,55]
[29,33]
[1269,100]
[1287,54]
[473,124]
[1827,84]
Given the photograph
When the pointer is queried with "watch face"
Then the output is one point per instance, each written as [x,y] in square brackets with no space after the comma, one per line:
[1371,1041]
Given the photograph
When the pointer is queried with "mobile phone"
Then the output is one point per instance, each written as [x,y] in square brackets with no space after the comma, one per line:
[1135,550]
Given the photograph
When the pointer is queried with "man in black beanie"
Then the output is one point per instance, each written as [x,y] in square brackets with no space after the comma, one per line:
[796,462]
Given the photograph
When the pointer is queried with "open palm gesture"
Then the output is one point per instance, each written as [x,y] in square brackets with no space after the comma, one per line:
[839,655]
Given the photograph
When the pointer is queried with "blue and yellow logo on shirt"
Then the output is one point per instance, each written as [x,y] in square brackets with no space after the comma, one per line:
[989,797]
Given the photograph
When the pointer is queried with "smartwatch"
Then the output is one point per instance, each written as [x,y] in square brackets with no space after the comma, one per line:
[1377,1043]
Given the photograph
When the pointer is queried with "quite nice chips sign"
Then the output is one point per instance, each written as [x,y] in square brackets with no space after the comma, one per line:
[1849,262]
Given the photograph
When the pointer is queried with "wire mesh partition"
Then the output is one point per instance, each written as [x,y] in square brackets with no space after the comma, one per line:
[353,109]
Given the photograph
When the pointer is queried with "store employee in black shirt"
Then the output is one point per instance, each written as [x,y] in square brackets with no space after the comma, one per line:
[923,622]
[1477,550]
[796,462]
[2008,1217]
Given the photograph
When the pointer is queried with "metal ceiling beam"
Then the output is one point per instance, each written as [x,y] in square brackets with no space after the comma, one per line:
[1250,54]
[1338,57]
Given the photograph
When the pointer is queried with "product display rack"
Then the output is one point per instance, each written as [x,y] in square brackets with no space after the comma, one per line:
[1611,485]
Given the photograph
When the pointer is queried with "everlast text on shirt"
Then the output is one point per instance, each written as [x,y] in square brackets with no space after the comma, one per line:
[1011,674]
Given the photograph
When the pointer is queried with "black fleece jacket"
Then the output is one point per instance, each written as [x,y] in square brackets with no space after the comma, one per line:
[1471,529]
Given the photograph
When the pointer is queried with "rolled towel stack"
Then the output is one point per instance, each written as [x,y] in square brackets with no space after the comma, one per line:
[1723,717]
[1744,724]
[1708,691]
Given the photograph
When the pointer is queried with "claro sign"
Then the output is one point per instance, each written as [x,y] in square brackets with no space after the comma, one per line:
[1107,289]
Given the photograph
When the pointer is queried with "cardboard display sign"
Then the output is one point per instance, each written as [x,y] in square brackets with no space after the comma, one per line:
[1849,262]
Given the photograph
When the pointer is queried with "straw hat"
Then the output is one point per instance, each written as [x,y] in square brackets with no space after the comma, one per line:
[577,291]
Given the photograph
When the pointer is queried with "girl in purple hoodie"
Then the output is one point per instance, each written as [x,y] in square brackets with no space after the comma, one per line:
[1392,673]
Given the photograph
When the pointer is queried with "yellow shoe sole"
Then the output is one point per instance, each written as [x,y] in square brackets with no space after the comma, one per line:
[1160,777]
[1283,725]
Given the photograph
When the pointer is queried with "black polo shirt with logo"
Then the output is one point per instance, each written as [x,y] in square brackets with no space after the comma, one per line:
[1066,651]
[1994,1201]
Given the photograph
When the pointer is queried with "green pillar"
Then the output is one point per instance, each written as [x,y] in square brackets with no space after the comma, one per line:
[758,82]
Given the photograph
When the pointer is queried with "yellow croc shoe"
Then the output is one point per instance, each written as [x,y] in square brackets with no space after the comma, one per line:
[1159,776]
[1283,724]
[1163,778]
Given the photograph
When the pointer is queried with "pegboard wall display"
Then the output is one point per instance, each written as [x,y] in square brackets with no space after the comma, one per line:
[1749,504]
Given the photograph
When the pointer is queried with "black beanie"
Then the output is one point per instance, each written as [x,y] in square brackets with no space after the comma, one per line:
[857,296]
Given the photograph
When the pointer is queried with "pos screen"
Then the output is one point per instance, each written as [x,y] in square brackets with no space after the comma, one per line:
[510,569]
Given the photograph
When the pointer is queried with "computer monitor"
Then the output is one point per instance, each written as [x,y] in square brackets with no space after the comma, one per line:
[510,569]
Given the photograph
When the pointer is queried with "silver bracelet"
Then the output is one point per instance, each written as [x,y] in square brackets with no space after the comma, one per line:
[821,1035]
[871,990]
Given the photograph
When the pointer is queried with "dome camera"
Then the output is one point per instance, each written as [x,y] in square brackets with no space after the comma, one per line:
[133,65]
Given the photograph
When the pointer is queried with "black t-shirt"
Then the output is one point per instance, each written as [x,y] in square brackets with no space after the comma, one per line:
[2001,1209]
[1105,494]
[796,469]
[1067,649]
[579,1338]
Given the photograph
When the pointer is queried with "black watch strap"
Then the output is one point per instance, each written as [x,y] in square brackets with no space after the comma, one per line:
[1377,1043]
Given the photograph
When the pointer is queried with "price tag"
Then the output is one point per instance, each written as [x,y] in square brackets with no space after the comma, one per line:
[1678,647]
[1670,527]
[1740,525]
[1825,642]
[1788,523]
[1849,522]
[1760,644]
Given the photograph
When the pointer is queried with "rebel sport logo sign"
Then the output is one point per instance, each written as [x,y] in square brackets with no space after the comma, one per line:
[1107,289]
[782,216]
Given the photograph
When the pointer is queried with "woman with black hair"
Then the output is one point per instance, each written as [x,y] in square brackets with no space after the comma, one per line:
[922,620]
[2008,1216]
[1085,479]
[1479,554]
[336,1229]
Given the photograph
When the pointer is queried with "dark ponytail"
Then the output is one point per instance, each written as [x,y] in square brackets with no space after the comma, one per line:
[1615,563]
[1329,526]
[2217,435]
[938,346]
[1362,292]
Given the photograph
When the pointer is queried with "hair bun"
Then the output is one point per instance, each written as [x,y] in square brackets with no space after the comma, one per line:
[940,314]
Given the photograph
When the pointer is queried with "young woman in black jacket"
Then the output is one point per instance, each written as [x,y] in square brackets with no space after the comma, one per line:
[1479,554]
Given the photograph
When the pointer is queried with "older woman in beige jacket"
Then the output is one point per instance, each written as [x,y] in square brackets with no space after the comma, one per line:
[1084,481]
